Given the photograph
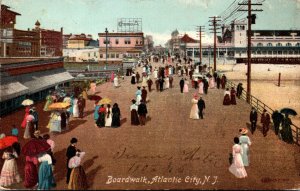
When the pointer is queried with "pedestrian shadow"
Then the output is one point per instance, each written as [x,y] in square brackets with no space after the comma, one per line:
[72,125]
[92,174]
[60,170]
[148,118]
[87,164]
[87,113]
[124,120]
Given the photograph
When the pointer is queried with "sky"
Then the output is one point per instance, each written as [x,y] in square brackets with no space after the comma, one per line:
[159,17]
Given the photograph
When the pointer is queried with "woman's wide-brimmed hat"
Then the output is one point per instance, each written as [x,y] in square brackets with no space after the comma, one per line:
[243,131]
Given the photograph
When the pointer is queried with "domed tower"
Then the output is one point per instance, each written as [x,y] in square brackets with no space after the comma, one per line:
[37,25]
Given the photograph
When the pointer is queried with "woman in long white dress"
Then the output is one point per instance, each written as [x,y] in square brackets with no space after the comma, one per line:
[211,82]
[245,143]
[108,116]
[237,167]
[155,74]
[194,114]
[75,108]
[201,87]
[54,124]
[186,86]
[116,82]
[9,173]
[167,83]
[144,81]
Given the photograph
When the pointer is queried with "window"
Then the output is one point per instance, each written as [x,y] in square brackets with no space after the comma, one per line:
[89,54]
[117,41]
[136,42]
[278,44]
[101,55]
[298,44]
[260,45]
[127,41]
[95,54]
[113,55]
[107,55]
[269,45]
[108,41]
[117,55]
[141,42]
[288,44]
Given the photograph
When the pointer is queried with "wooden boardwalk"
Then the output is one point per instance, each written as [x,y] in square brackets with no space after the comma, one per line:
[191,154]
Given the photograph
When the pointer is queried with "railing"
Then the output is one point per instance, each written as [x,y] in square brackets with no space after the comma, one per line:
[260,106]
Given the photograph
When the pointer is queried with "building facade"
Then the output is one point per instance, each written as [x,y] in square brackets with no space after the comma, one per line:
[27,43]
[120,45]
[265,43]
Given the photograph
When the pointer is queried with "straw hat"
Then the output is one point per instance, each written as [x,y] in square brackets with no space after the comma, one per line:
[243,131]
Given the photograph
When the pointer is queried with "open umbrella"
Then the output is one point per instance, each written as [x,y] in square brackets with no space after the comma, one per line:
[288,111]
[35,147]
[59,106]
[27,102]
[104,101]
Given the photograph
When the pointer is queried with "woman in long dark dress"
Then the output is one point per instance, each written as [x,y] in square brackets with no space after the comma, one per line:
[232,96]
[101,119]
[134,114]
[116,114]
[286,132]
[133,78]
[227,100]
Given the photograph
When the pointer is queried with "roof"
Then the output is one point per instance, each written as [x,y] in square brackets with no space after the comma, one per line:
[5,7]
[120,50]
[93,43]
[187,39]
[121,34]
[276,32]
[12,89]
[37,23]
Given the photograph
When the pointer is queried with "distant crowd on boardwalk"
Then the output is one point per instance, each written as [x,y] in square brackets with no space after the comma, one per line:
[39,168]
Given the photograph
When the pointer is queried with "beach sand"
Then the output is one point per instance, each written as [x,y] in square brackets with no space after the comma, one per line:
[264,84]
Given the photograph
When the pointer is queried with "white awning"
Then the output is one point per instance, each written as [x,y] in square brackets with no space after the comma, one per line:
[12,90]
[36,83]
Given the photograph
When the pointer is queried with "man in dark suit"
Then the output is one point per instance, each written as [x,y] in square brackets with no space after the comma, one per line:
[71,152]
[181,83]
[205,85]
[201,107]
[253,119]
[218,82]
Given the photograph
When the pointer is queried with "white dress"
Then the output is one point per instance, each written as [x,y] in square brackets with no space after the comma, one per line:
[144,82]
[194,111]
[167,86]
[245,143]
[116,82]
[108,117]
[237,167]
[75,108]
[201,87]
[75,161]
[155,74]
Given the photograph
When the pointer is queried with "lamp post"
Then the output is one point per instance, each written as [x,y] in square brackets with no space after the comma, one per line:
[106,31]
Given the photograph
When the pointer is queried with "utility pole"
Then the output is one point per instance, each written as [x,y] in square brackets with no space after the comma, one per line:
[200,29]
[106,42]
[251,20]
[215,25]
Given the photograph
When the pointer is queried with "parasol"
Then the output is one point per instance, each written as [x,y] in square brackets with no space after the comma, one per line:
[288,111]
[104,101]
[7,141]
[95,97]
[27,102]
[59,106]
[35,147]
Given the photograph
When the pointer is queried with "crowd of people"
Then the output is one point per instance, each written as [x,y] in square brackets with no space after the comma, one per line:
[39,168]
